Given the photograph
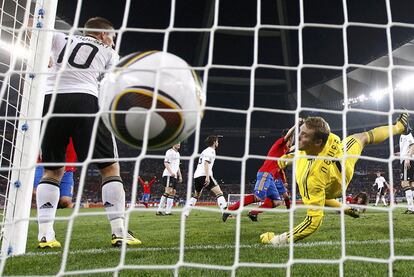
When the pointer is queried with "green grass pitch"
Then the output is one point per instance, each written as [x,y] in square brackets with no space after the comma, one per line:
[211,242]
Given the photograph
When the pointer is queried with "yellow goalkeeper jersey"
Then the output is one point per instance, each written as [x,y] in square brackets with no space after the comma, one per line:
[321,178]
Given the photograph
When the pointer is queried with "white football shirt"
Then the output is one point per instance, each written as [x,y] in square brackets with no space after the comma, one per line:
[172,157]
[87,58]
[405,142]
[208,155]
[380,182]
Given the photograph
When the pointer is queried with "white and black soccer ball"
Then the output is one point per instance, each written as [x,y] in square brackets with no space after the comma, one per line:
[126,96]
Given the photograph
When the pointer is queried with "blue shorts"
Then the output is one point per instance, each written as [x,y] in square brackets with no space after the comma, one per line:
[265,187]
[145,197]
[280,187]
[66,184]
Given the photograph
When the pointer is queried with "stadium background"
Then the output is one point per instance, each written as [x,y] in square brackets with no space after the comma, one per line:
[274,88]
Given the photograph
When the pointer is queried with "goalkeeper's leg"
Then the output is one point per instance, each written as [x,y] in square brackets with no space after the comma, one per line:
[379,134]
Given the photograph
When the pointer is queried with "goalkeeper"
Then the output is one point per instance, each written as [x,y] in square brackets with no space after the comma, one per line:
[320,180]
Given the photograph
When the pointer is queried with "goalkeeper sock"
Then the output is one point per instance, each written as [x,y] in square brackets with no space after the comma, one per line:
[113,196]
[170,203]
[47,198]
[379,134]
[163,199]
[409,197]
[221,202]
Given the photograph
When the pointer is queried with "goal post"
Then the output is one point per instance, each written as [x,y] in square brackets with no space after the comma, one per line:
[26,144]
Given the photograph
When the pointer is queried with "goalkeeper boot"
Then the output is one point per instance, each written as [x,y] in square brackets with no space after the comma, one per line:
[43,244]
[130,240]
[253,217]
[403,119]
[352,212]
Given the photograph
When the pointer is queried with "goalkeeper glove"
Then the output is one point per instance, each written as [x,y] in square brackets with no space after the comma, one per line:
[271,238]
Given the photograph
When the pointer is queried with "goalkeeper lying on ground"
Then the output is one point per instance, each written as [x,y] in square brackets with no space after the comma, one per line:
[320,180]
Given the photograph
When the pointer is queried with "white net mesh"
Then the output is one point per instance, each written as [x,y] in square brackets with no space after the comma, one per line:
[240,92]
[14,57]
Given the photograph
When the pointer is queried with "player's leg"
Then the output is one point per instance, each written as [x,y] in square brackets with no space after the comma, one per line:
[272,199]
[283,192]
[54,144]
[113,193]
[66,190]
[163,201]
[379,134]
[38,176]
[145,199]
[407,184]
[198,189]
[383,196]
[171,194]
[377,199]
[215,188]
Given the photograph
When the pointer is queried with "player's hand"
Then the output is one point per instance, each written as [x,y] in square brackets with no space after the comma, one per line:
[173,175]
[207,181]
[180,179]
[271,238]
[407,164]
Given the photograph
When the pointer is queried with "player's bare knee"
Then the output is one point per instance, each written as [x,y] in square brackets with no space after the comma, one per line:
[217,190]
[110,170]
[406,185]
[65,202]
[276,203]
[172,192]
[55,174]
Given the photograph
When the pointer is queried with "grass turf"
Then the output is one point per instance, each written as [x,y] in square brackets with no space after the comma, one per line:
[210,242]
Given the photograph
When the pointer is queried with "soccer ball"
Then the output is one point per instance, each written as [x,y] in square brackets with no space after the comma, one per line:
[128,93]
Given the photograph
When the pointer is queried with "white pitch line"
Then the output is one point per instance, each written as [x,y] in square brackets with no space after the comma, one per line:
[218,247]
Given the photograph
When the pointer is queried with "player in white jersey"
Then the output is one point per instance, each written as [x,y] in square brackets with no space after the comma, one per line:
[380,182]
[203,176]
[76,92]
[170,176]
[407,169]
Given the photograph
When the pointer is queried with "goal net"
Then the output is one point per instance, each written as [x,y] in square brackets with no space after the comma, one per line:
[264,65]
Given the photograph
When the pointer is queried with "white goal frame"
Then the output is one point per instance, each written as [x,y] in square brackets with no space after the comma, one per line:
[18,201]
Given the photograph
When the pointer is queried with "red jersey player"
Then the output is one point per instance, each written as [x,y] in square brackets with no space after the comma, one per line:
[270,179]
[146,186]
[66,184]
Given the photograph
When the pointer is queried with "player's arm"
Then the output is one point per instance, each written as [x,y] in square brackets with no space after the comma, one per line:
[180,176]
[141,182]
[292,130]
[152,181]
[207,171]
[407,162]
[314,196]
